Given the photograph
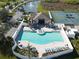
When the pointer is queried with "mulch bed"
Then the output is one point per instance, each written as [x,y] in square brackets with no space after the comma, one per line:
[59,6]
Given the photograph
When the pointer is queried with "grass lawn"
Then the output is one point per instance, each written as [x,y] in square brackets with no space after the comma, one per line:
[71,10]
[6,57]
[75,43]
[2,4]
[41,9]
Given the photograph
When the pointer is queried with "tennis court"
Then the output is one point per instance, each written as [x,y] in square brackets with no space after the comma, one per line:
[66,18]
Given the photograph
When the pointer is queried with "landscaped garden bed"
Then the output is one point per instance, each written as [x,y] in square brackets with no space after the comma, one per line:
[27,51]
[59,6]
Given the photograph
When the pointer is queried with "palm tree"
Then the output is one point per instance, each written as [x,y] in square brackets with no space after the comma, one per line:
[28,51]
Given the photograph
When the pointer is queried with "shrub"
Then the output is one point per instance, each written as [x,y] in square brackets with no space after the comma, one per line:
[26,19]
[50,1]
[71,1]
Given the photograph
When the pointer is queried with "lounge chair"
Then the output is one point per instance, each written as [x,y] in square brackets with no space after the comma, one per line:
[20,46]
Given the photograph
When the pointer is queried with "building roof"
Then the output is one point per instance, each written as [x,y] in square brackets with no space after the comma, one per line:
[41,16]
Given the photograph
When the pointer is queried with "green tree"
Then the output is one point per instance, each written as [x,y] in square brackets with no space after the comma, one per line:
[71,1]
[4,15]
[6,45]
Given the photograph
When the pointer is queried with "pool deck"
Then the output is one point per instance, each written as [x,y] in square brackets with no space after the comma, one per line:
[41,48]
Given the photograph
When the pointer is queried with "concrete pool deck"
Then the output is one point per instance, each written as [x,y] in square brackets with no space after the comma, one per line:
[41,48]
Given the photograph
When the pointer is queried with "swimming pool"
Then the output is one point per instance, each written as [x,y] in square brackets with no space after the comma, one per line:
[40,39]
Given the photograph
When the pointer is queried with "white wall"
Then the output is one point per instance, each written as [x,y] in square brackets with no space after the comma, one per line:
[15,44]
[66,38]
[50,14]
[49,56]
[17,31]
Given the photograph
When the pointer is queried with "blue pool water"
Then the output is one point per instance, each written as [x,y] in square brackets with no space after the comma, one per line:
[40,39]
